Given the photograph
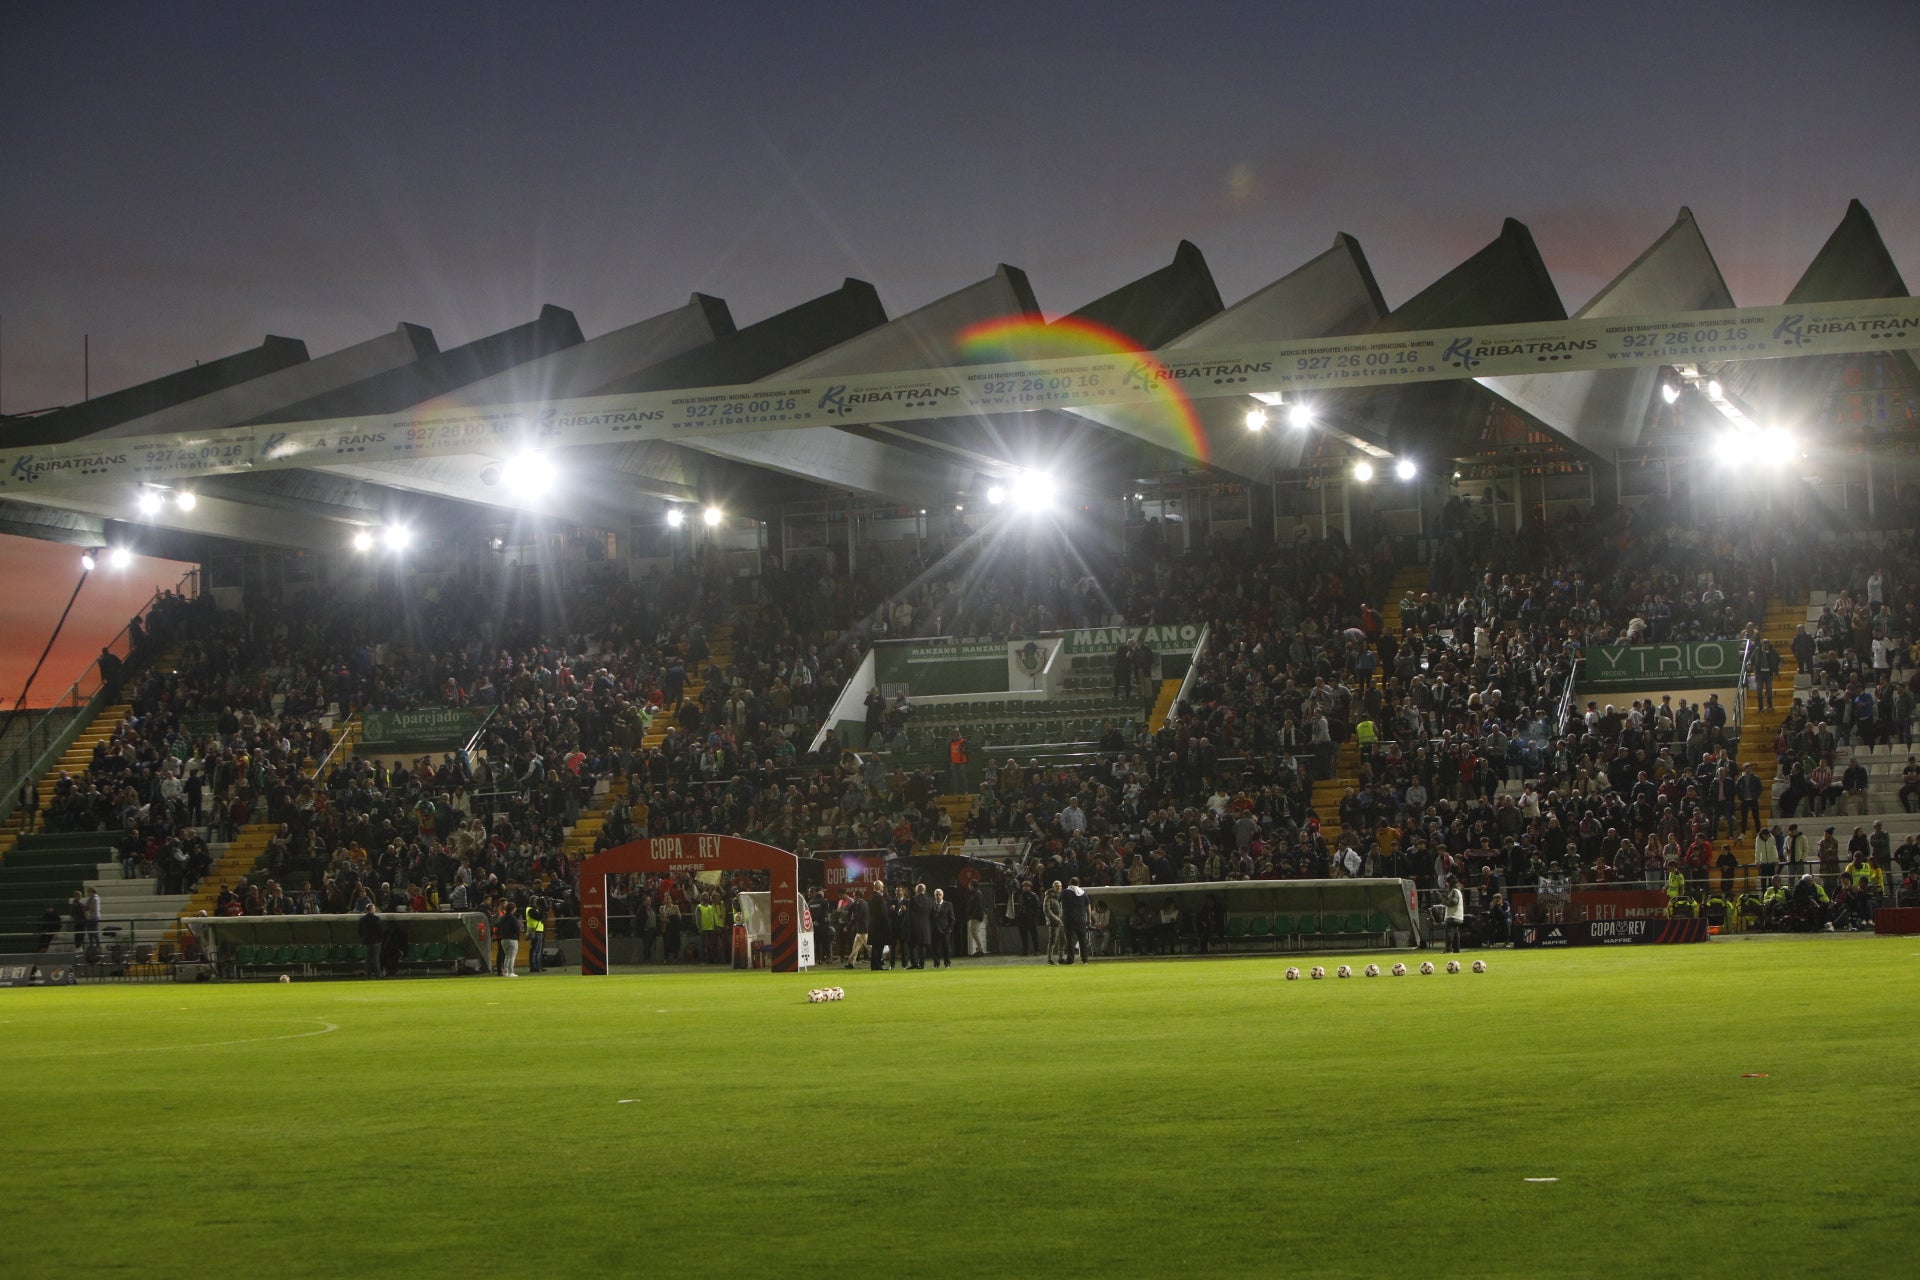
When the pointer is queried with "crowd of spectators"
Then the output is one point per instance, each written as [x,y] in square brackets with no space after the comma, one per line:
[1471,763]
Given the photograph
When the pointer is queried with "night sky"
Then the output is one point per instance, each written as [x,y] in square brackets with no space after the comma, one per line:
[184,178]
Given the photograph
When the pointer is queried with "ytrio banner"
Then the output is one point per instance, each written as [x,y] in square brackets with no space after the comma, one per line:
[1609,933]
[1699,662]
[1021,386]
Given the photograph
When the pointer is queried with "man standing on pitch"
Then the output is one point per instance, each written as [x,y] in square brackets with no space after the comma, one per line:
[370,930]
[1456,914]
[942,930]
[920,921]
[1073,913]
[1051,906]
[879,925]
[509,928]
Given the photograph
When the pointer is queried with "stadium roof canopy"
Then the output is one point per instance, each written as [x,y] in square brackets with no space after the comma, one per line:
[1578,418]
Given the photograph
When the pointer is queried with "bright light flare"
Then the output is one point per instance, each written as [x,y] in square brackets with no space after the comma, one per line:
[119,557]
[1670,391]
[1256,419]
[1299,417]
[185,500]
[1033,491]
[675,517]
[87,561]
[149,502]
[996,495]
[396,537]
[530,474]
[1731,448]
[1405,469]
[712,516]
[1777,446]
[1363,471]
[363,541]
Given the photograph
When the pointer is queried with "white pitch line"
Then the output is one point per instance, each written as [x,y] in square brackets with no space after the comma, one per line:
[326,1028]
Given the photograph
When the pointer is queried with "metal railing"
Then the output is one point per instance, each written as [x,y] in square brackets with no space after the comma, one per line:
[59,723]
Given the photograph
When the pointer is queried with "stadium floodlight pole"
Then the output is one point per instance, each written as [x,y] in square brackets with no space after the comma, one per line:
[34,674]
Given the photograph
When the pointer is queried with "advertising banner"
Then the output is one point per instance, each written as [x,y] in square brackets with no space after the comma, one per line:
[1266,370]
[427,729]
[1599,904]
[1671,665]
[1609,933]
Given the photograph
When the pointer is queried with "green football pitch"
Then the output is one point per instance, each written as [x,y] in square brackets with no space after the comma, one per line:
[1745,1107]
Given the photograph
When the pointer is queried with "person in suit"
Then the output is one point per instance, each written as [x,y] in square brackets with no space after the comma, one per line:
[1073,914]
[942,930]
[900,921]
[920,923]
[370,931]
[879,925]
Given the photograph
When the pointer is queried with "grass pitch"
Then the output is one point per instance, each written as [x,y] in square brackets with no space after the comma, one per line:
[1124,1119]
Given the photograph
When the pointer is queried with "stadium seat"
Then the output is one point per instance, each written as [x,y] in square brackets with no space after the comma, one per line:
[1355,923]
[1236,926]
[1283,926]
[1260,927]
[437,953]
[1378,923]
[243,955]
[416,953]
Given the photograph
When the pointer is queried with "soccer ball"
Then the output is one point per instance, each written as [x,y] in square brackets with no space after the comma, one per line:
[1479,966]
[1293,975]
[816,996]
[1373,971]
[1426,966]
[1453,966]
[1344,971]
[836,993]
[1317,972]
[285,978]
[1399,971]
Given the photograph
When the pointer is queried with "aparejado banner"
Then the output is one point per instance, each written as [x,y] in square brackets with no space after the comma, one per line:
[1021,386]
[1609,933]
[435,728]
[1699,662]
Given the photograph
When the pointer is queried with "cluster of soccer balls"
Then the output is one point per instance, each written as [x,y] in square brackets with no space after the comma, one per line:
[1373,970]
[820,995]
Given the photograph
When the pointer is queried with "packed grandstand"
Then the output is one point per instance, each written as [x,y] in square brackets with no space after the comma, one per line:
[1329,727]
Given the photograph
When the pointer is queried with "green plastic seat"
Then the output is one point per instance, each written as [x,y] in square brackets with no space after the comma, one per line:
[1236,926]
[243,955]
[1378,923]
[416,952]
[1260,927]
[437,953]
[1356,923]
[1283,926]
[359,951]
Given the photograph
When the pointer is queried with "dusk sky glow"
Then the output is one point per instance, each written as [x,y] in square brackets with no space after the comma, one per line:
[186,178]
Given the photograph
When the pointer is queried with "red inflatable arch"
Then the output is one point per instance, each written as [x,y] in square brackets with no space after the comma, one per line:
[691,853]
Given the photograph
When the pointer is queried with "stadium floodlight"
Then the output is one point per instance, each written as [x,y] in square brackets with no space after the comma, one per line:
[149,502]
[1714,390]
[362,540]
[1033,491]
[996,495]
[1299,417]
[1730,447]
[1363,471]
[185,500]
[119,557]
[676,517]
[1256,419]
[530,474]
[712,516]
[87,561]
[396,537]
[1405,469]
[1669,391]
[1777,445]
